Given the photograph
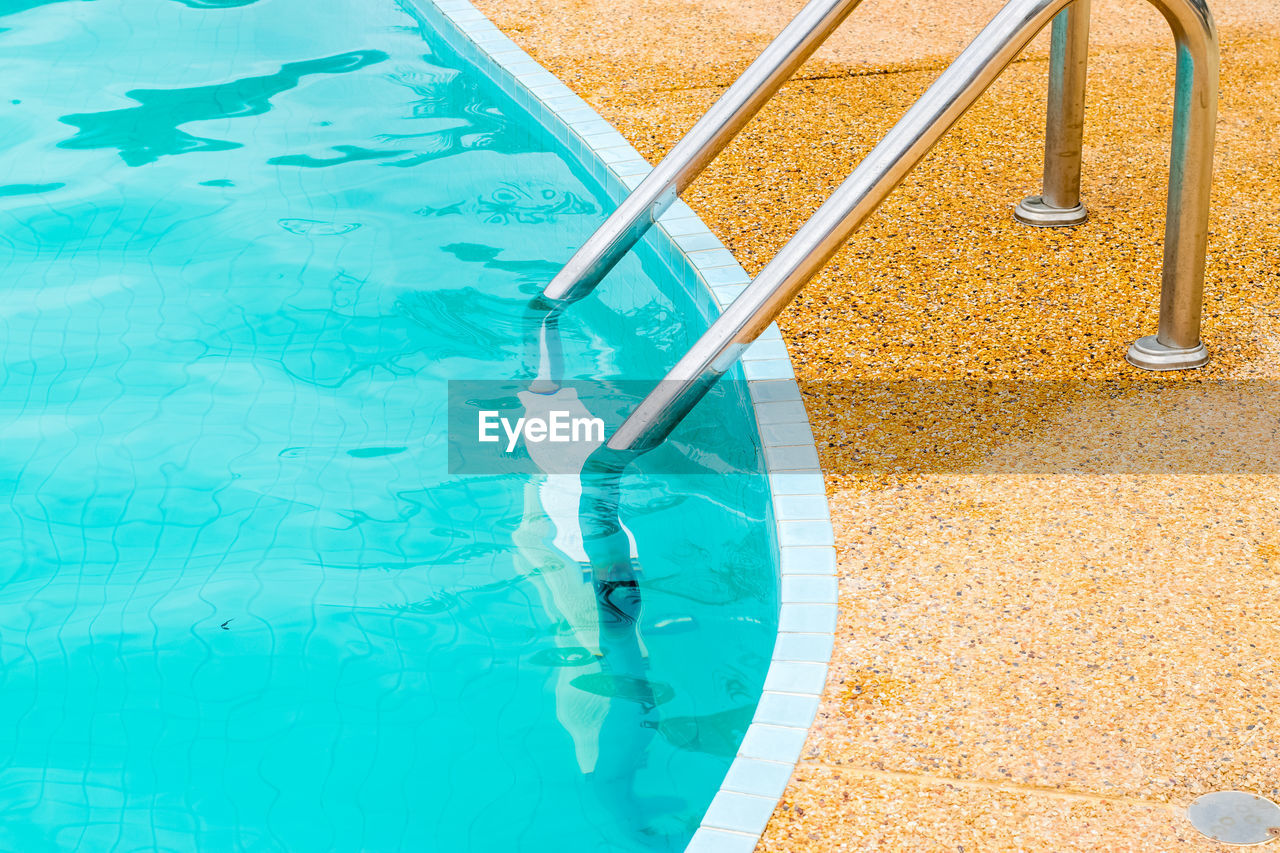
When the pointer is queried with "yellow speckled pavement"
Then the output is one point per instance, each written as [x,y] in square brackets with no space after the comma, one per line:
[1059,575]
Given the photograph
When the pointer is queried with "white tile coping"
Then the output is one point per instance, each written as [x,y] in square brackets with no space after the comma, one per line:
[807,607]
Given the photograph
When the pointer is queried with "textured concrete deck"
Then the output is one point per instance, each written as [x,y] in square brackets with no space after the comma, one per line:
[1058,621]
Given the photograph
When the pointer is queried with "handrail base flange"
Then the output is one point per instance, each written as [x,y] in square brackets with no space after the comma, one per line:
[1149,354]
[1032,210]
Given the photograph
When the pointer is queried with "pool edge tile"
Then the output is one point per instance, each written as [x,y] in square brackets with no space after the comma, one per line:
[808,593]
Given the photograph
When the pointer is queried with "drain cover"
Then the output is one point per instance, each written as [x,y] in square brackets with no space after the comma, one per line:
[1236,817]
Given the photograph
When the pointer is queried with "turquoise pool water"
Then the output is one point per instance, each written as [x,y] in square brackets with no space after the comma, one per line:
[243,603]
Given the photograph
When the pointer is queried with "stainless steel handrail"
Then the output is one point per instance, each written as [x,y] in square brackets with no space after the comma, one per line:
[1058,205]
[728,115]
[1177,343]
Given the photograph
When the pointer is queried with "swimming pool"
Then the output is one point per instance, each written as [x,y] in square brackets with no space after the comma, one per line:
[245,605]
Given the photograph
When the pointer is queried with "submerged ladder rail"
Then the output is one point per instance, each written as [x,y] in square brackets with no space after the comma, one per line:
[1177,343]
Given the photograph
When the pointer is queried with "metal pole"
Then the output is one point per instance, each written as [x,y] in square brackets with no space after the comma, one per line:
[1176,344]
[906,144]
[1059,201]
[628,223]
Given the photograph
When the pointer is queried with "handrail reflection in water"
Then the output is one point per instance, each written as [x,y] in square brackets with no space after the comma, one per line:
[585,564]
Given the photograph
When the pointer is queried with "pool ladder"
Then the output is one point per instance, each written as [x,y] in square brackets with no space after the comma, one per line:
[1175,346]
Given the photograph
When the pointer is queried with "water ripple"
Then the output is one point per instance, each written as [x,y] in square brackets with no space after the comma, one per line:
[29,189]
[150,131]
[216,4]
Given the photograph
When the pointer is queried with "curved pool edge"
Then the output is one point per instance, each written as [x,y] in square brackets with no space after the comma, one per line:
[797,672]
